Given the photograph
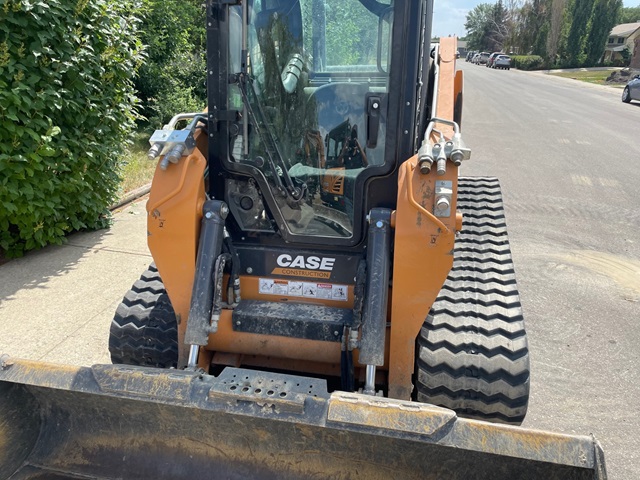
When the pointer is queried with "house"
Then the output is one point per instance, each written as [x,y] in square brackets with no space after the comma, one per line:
[622,37]
[462,47]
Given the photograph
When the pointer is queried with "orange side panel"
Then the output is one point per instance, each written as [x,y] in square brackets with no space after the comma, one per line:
[174,211]
[423,252]
[459,83]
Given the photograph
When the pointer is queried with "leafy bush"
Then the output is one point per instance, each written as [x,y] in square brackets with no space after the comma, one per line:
[618,62]
[66,112]
[527,62]
[172,80]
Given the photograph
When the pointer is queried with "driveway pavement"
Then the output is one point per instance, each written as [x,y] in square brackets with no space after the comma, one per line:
[56,304]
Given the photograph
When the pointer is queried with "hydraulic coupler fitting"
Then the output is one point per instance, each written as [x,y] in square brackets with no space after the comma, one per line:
[173,155]
[154,151]
[425,157]
[157,147]
[459,151]
[441,161]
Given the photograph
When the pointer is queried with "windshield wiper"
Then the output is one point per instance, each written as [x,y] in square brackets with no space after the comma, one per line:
[274,156]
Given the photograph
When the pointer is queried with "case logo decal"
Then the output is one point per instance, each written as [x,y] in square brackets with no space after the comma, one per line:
[303,266]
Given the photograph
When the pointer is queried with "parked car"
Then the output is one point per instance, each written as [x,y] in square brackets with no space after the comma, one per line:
[475,58]
[632,90]
[482,58]
[502,61]
[469,56]
[491,58]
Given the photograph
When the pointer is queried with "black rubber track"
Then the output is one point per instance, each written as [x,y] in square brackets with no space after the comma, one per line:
[472,354]
[144,330]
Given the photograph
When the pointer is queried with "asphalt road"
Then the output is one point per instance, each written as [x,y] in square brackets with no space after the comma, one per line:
[567,156]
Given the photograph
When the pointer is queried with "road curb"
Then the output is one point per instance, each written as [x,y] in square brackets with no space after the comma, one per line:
[550,74]
[131,196]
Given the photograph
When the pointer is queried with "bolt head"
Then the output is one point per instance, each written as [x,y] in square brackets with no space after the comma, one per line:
[249,270]
[379,224]
[208,215]
[442,203]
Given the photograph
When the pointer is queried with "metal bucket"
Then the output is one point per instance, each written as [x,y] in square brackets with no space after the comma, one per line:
[120,422]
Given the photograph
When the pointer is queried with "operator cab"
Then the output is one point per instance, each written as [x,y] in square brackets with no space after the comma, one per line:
[312,82]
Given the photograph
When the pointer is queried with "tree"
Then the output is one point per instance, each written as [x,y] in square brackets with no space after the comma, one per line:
[603,19]
[580,12]
[478,26]
[486,26]
[173,78]
[628,15]
[498,27]
[556,22]
[532,27]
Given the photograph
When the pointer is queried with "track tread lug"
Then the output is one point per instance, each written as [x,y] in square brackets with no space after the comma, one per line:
[144,330]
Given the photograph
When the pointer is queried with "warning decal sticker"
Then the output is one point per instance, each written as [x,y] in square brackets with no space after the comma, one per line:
[324,291]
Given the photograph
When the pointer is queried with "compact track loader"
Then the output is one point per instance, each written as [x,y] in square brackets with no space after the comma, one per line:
[328,297]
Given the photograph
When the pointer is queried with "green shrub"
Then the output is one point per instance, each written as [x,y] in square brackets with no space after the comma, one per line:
[527,62]
[67,108]
[172,80]
[618,62]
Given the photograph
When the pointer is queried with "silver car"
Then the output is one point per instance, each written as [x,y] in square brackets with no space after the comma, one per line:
[502,61]
[482,58]
[632,90]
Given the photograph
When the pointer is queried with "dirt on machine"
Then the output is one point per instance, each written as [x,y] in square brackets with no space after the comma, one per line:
[328,297]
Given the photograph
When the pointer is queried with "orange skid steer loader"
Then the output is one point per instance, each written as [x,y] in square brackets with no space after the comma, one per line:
[287,331]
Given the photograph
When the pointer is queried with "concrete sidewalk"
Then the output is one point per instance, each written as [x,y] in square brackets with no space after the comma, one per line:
[56,304]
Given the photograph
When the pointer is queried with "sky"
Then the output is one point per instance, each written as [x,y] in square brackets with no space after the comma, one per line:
[449,15]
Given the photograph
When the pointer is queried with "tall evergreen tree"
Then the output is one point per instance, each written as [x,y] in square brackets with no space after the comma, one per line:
[580,14]
[603,19]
